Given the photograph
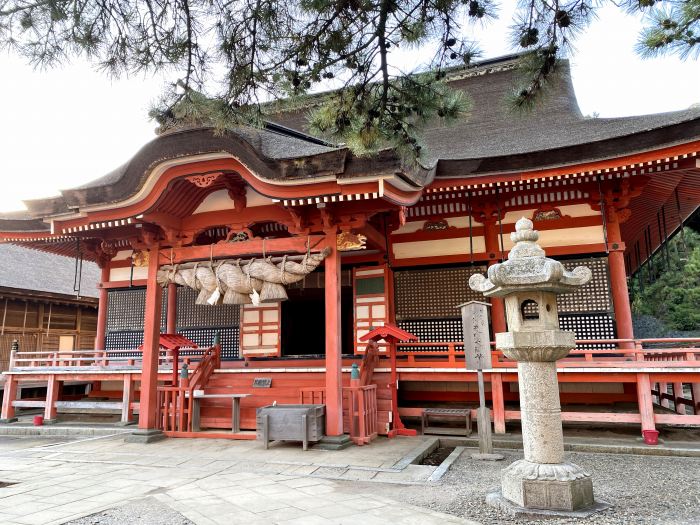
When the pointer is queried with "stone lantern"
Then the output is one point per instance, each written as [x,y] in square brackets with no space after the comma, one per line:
[529,282]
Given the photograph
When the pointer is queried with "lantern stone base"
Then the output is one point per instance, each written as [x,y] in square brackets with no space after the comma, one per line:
[561,486]
[496,499]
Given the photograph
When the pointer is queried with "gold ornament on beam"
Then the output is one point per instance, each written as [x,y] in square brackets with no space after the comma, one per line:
[140,258]
[348,241]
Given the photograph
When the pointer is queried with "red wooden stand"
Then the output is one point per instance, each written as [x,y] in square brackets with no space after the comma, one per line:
[392,335]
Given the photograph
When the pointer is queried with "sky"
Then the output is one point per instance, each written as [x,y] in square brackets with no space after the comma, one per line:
[66,126]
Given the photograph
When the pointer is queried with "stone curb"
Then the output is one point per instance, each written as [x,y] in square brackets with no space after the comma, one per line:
[417,454]
[60,431]
[445,465]
[639,450]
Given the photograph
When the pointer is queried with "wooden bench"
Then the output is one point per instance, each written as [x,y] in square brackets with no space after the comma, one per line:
[446,413]
[235,408]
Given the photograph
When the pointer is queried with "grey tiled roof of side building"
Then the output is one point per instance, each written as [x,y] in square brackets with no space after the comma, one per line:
[33,270]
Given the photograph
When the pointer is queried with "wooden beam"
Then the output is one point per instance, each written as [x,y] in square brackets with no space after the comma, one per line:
[375,238]
[238,249]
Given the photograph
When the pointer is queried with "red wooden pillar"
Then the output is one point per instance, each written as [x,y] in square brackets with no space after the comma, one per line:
[695,395]
[9,395]
[618,278]
[646,409]
[334,383]
[102,310]
[499,409]
[493,249]
[149,367]
[678,395]
[171,322]
[52,388]
[663,389]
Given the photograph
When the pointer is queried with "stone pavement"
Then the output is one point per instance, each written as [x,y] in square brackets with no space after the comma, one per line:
[208,481]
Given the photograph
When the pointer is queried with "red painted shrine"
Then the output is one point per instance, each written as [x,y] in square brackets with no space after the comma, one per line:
[397,244]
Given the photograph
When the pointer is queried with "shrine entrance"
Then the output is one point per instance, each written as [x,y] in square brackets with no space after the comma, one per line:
[303,322]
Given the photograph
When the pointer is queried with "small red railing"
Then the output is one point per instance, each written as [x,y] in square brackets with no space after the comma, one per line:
[362,412]
[622,353]
[175,401]
[312,396]
[115,359]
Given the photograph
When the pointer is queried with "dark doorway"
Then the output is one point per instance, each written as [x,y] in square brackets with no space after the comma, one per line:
[304,322]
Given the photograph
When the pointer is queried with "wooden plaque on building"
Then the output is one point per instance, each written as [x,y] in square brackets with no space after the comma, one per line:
[475,325]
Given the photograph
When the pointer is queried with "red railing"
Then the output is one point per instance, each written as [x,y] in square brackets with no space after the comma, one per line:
[175,402]
[80,359]
[623,353]
[362,412]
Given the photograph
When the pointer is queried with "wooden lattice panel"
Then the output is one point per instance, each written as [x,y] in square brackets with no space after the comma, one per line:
[204,337]
[125,309]
[434,293]
[260,330]
[123,340]
[590,326]
[191,315]
[594,296]
[434,331]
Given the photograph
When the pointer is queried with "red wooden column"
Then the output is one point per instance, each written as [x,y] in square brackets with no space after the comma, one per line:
[678,395]
[499,410]
[493,249]
[646,409]
[171,323]
[147,429]
[334,382]
[498,324]
[9,395]
[102,310]
[52,388]
[618,277]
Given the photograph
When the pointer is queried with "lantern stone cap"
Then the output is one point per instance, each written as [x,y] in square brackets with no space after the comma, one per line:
[473,302]
[528,269]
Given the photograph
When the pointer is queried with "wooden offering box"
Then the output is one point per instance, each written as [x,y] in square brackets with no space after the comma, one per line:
[291,423]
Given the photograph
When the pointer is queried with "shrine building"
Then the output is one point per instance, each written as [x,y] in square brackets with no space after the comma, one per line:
[293,250]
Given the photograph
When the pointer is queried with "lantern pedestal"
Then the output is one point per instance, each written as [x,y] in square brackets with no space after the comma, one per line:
[542,483]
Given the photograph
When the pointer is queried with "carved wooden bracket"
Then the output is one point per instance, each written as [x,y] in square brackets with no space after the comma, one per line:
[547,212]
[204,180]
[347,241]
[438,225]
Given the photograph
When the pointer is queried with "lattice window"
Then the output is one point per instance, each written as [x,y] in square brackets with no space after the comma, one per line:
[191,315]
[433,331]
[125,309]
[590,326]
[204,337]
[123,340]
[434,293]
[594,296]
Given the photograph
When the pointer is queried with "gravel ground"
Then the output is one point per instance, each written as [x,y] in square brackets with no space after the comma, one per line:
[644,490]
[147,511]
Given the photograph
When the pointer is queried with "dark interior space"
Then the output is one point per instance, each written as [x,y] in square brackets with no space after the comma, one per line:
[304,322]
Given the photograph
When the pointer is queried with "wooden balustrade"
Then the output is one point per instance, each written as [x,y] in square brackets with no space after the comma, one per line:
[432,354]
[77,359]
[175,402]
[362,412]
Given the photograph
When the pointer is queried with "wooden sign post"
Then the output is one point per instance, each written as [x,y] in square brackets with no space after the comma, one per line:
[477,354]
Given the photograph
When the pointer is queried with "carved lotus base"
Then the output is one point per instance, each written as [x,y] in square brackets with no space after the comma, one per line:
[562,486]
[542,345]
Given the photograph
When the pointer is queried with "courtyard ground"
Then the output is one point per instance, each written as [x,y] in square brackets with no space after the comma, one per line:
[104,481]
